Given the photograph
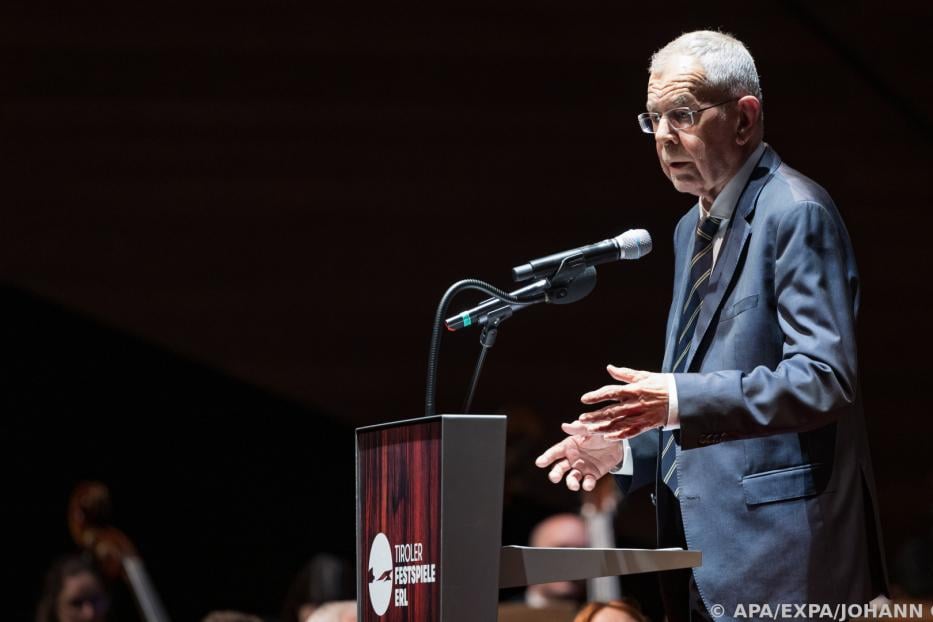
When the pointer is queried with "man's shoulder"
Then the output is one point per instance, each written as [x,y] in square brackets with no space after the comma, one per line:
[789,190]
[792,201]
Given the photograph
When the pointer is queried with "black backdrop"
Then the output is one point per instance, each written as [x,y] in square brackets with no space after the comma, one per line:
[226,226]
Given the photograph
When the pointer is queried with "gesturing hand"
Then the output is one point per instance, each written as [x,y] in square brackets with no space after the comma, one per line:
[582,457]
[638,406]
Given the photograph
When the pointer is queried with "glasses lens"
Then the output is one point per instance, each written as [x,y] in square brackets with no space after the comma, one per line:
[680,118]
[648,122]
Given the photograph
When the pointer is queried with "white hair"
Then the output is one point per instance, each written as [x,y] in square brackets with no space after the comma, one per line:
[727,63]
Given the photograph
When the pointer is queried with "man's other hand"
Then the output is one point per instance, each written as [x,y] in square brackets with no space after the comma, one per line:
[582,457]
[636,407]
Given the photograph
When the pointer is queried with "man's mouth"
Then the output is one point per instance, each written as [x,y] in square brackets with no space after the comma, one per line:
[677,165]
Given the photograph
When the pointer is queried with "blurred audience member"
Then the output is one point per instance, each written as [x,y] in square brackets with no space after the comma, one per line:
[343,611]
[560,530]
[73,592]
[326,578]
[230,616]
[625,610]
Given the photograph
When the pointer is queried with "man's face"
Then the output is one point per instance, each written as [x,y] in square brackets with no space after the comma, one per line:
[701,159]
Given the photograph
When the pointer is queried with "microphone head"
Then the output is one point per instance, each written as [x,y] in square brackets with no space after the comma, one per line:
[634,244]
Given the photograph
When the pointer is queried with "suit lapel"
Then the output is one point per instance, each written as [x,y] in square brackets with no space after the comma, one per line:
[734,243]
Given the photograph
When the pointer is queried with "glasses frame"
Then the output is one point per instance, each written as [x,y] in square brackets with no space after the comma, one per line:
[655,117]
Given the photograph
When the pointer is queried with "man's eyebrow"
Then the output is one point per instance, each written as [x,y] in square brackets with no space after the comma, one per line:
[682,100]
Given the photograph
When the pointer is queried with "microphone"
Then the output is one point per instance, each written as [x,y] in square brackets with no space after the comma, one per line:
[542,290]
[479,314]
[633,244]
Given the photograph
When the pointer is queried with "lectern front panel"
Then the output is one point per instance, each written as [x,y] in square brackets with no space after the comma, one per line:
[399,522]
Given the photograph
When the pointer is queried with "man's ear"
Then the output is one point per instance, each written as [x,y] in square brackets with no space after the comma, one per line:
[749,118]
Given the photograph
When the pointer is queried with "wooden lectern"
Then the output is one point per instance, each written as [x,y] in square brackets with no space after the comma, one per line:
[429,526]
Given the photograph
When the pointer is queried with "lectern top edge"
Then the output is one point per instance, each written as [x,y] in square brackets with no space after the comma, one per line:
[403,422]
[394,424]
[570,549]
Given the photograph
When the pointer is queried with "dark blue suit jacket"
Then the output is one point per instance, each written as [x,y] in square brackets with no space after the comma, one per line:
[773,465]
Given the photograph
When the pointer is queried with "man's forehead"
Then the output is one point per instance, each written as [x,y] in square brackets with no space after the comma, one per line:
[671,98]
[676,83]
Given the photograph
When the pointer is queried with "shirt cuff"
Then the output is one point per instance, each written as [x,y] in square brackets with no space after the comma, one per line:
[627,466]
[673,414]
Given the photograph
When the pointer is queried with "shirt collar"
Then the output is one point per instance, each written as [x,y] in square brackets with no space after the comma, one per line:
[726,201]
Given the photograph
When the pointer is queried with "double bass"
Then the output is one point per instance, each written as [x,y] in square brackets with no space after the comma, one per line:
[89,523]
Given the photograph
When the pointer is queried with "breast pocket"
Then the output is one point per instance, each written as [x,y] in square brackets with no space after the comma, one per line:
[751,334]
[749,302]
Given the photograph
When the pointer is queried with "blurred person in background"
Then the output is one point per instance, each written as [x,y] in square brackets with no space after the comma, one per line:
[73,591]
[625,610]
[230,616]
[324,579]
[343,611]
[561,531]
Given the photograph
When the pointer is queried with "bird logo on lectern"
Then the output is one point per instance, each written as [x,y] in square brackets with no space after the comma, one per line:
[380,574]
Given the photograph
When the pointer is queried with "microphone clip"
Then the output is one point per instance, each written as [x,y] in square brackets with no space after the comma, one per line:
[572,281]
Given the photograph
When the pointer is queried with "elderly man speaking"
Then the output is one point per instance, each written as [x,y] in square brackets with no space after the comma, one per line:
[753,437]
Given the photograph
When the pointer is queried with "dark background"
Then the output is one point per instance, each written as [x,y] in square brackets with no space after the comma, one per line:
[226,226]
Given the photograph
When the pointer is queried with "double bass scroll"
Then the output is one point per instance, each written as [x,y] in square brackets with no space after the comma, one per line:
[89,523]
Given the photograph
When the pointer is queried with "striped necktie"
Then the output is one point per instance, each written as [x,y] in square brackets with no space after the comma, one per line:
[701,266]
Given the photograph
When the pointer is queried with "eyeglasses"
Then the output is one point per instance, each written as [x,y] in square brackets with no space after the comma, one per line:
[677,118]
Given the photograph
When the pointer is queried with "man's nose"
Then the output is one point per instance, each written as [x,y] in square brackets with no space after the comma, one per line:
[665,133]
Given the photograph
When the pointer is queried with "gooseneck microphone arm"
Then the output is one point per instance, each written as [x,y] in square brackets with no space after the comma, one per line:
[572,283]
[528,295]
[562,278]
[566,290]
[452,291]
